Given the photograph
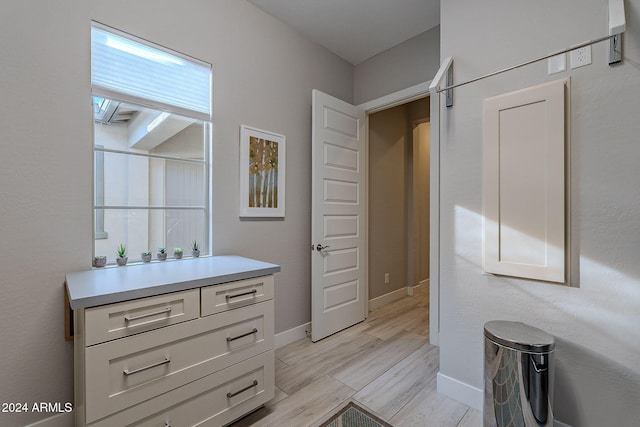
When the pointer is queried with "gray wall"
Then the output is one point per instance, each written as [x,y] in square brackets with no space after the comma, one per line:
[415,61]
[388,145]
[396,219]
[595,320]
[263,76]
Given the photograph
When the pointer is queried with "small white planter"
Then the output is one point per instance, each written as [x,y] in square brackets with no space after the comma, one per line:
[121,261]
[146,257]
[195,253]
[99,261]
[162,256]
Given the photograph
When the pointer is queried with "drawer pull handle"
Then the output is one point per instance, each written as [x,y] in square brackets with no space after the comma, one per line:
[253,384]
[142,316]
[252,292]
[254,331]
[135,371]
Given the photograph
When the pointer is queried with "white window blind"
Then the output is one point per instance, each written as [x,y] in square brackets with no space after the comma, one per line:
[127,66]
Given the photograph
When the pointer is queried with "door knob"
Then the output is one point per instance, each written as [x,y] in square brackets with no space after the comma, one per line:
[319,247]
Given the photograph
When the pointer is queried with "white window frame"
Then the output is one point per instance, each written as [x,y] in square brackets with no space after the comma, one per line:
[206,118]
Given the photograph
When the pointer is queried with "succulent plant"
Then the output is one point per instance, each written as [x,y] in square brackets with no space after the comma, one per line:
[162,250]
[195,245]
[122,250]
[177,251]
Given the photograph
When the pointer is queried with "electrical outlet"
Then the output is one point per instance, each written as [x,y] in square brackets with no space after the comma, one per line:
[580,57]
[386,278]
[557,64]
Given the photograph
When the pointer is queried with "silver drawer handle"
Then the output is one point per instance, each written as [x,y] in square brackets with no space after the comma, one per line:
[166,424]
[135,371]
[253,384]
[253,292]
[142,316]
[254,331]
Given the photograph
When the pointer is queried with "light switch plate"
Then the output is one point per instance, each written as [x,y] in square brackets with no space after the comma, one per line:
[580,57]
[557,64]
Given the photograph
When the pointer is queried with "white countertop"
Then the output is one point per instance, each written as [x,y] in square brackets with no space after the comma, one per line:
[115,284]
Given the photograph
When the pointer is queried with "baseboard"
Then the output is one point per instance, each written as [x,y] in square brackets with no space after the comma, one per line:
[385,299]
[291,335]
[411,289]
[465,393]
[469,395]
[58,420]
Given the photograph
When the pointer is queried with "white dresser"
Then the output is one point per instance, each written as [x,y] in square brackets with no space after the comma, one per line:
[177,343]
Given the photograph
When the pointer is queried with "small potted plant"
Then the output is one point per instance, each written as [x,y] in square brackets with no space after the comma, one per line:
[177,253]
[99,261]
[195,249]
[146,256]
[162,254]
[122,255]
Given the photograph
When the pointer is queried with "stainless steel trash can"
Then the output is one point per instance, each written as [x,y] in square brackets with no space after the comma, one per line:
[518,375]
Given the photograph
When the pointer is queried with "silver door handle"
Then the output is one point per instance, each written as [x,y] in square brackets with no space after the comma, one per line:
[251,292]
[142,316]
[144,368]
[254,331]
[319,247]
[253,384]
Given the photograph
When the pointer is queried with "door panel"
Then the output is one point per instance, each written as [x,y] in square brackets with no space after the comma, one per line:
[524,183]
[338,216]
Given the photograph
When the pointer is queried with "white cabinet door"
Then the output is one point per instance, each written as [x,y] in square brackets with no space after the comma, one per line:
[524,183]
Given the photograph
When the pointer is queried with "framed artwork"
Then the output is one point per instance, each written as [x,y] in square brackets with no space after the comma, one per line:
[262,173]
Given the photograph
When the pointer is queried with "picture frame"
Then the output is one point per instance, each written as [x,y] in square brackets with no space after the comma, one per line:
[262,173]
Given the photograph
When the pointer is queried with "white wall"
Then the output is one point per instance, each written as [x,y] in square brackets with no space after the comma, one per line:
[263,76]
[596,320]
[407,64]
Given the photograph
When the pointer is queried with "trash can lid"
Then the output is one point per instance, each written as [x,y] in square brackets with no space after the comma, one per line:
[519,336]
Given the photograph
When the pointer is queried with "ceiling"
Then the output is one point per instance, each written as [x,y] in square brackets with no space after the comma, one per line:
[356,30]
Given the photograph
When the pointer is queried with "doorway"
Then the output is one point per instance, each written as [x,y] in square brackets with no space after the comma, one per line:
[399,148]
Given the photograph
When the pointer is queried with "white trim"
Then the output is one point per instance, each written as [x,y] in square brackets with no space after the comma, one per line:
[294,334]
[465,393]
[469,395]
[617,19]
[403,96]
[434,219]
[366,213]
[387,298]
[58,420]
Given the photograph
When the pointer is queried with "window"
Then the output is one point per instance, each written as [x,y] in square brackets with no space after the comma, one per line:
[152,139]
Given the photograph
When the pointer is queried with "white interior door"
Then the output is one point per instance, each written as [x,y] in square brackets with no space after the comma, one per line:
[338,216]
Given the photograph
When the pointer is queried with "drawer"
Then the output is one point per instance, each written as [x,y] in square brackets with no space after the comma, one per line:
[122,319]
[124,372]
[214,400]
[219,298]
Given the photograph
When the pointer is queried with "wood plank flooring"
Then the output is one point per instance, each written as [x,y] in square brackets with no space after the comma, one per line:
[385,363]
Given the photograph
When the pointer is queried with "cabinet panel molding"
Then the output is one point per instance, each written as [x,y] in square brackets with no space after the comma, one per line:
[524,187]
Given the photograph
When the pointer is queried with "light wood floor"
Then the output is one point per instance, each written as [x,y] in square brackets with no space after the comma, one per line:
[385,363]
